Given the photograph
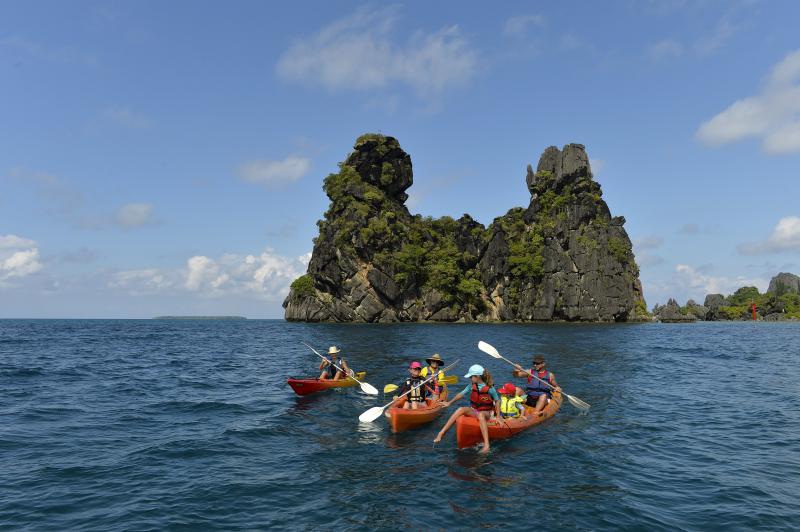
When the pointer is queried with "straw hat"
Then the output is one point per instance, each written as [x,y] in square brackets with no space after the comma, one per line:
[332,350]
[435,357]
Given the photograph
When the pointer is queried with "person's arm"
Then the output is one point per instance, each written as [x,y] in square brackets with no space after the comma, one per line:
[343,365]
[554,383]
[323,364]
[458,396]
[519,372]
[496,396]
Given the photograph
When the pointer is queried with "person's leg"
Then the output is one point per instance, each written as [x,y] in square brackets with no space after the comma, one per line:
[339,375]
[414,405]
[540,404]
[324,375]
[484,430]
[457,414]
[407,405]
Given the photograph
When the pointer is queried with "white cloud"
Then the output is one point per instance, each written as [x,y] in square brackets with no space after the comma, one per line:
[126,117]
[701,283]
[518,25]
[668,48]
[721,33]
[135,215]
[773,115]
[264,276]
[648,242]
[273,173]
[357,52]
[785,237]
[19,257]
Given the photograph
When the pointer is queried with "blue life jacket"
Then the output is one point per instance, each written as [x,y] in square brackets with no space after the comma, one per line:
[535,388]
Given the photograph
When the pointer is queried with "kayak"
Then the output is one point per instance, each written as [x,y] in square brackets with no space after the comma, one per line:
[402,419]
[309,386]
[468,431]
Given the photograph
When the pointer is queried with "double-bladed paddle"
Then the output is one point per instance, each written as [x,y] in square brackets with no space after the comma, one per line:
[365,386]
[574,401]
[368,416]
[450,379]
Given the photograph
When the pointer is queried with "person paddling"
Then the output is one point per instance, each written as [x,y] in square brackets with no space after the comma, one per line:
[538,393]
[484,401]
[417,391]
[329,371]
[434,363]
[512,402]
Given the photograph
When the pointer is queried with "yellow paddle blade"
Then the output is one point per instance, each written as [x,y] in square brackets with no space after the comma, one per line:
[389,388]
[450,379]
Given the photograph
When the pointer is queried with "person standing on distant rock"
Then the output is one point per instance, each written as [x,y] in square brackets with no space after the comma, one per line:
[329,370]
[539,393]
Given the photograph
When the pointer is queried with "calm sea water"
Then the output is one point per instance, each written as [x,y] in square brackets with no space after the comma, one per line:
[190,424]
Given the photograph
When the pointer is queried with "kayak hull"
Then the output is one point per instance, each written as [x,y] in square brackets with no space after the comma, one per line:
[468,430]
[402,419]
[309,386]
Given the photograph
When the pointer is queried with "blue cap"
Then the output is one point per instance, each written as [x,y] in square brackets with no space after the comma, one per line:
[475,369]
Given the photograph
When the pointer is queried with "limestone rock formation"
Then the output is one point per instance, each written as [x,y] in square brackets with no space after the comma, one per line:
[564,257]
[784,283]
[671,313]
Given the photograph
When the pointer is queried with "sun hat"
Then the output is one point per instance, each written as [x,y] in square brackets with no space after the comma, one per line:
[332,350]
[508,388]
[475,369]
[415,365]
[436,357]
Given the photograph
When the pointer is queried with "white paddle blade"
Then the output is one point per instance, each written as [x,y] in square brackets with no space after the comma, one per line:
[577,403]
[488,349]
[371,415]
[368,388]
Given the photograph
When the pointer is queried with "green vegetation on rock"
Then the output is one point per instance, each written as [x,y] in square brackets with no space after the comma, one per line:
[303,286]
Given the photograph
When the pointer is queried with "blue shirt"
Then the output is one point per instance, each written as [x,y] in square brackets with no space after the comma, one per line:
[468,390]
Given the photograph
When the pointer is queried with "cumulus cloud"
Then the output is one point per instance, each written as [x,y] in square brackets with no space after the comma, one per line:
[135,215]
[357,52]
[772,115]
[19,257]
[272,173]
[701,283]
[126,117]
[518,25]
[265,276]
[785,237]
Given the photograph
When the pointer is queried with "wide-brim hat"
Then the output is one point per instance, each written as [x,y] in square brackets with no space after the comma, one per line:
[332,350]
[435,357]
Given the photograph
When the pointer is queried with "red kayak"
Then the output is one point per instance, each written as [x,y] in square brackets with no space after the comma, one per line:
[468,431]
[309,386]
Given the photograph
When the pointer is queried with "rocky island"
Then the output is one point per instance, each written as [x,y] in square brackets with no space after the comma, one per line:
[563,258]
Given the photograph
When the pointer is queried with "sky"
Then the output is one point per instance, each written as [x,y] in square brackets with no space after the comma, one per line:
[167,157]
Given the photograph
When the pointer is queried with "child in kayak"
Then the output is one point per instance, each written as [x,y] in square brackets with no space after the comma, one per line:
[434,363]
[418,391]
[539,390]
[512,401]
[329,371]
[484,401]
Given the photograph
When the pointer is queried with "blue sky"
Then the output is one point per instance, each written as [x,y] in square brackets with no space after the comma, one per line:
[167,158]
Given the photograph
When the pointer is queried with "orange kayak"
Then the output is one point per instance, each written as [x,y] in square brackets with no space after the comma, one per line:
[308,386]
[403,419]
[468,431]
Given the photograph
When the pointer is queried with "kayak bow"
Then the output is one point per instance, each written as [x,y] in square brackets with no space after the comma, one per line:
[309,386]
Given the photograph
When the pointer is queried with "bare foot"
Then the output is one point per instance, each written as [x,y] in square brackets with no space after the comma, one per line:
[437,439]
[484,450]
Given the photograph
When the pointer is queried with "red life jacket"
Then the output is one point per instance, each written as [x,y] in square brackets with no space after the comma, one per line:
[480,398]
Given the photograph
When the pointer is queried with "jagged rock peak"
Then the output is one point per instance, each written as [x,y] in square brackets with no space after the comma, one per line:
[380,161]
[564,166]
[784,283]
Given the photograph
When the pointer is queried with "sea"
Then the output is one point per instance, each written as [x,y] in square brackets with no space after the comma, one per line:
[190,425]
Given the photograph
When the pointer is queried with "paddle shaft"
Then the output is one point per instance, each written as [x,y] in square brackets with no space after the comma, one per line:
[528,372]
[330,362]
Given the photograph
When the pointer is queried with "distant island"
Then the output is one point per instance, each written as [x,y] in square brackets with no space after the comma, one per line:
[199,318]
[781,302]
[564,257]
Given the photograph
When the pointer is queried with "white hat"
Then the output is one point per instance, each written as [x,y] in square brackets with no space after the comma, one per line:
[332,350]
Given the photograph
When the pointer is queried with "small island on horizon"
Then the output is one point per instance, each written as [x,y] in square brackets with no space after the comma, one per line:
[199,318]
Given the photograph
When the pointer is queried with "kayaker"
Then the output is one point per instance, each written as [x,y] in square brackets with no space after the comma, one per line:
[538,393]
[329,372]
[484,401]
[418,391]
[434,363]
[512,401]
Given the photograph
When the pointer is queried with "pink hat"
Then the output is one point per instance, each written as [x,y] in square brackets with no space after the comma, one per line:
[415,365]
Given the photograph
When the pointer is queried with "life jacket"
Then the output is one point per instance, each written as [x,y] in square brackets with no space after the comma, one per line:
[331,370]
[508,406]
[437,388]
[536,388]
[416,395]
[480,399]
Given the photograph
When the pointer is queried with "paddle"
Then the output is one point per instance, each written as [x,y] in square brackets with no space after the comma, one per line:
[365,386]
[450,379]
[375,412]
[574,401]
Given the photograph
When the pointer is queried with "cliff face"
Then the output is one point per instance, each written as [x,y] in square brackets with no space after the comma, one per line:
[562,258]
